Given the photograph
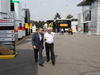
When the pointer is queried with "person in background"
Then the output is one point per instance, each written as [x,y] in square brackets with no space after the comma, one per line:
[49,45]
[56,30]
[37,43]
[62,31]
[69,31]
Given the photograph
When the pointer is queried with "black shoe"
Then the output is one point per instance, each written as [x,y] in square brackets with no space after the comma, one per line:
[41,65]
[48,60]
[53,64]
[36,61]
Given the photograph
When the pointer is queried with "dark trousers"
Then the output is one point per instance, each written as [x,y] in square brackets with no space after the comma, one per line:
[40,55]
[50,47]
[62,32]
[70,32]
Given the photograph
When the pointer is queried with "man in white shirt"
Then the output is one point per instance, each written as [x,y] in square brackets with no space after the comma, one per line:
[49,44]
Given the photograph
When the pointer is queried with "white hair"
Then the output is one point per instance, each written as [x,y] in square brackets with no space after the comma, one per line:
[49,28]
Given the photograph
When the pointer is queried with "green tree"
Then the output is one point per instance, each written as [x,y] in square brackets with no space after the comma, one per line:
[69,16]
[57,16]
[39,24]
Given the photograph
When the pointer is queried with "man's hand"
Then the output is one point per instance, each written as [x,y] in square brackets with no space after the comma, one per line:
[34,47]
[45,39]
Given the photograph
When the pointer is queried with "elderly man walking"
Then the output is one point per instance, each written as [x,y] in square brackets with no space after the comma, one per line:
[49,45]
[37,43]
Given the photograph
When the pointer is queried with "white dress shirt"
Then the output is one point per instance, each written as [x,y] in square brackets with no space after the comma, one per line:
[40,36]
[49,37]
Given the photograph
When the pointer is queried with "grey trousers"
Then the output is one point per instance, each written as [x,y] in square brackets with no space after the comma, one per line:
[36,51]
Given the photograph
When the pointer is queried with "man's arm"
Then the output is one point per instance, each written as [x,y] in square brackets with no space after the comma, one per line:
[43,38]
[33,40]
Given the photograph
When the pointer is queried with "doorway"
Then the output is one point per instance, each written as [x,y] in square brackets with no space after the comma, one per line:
[86,28]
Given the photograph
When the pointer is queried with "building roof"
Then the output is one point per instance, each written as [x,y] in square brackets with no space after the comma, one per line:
[85,3]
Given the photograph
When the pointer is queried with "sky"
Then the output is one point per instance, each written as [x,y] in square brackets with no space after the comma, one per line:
[46,9]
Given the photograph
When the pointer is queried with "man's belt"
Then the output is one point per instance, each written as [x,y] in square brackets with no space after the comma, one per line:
[49,43]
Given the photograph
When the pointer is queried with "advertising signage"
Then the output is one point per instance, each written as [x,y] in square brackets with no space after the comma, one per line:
[7,37]
[6,20]
[63,25]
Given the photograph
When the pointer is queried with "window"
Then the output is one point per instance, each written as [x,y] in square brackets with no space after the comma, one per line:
[94,3]
[20,25]
[24,26]
[87,15]
[85,8]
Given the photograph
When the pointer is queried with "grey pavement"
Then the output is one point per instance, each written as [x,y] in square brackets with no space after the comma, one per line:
[76,54]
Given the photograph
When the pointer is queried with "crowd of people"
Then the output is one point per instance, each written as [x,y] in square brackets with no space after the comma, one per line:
[70,31]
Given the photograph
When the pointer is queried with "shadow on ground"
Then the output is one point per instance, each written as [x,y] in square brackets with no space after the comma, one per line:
[23,64]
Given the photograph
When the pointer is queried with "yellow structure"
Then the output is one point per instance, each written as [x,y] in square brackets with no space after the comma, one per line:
[8,56]
[30,25]
[26,26]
